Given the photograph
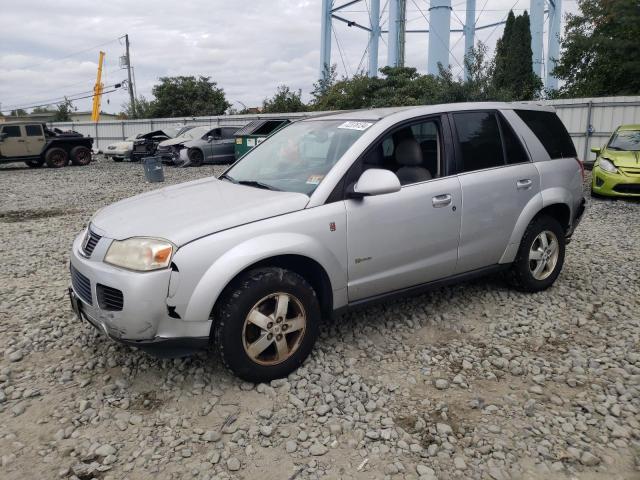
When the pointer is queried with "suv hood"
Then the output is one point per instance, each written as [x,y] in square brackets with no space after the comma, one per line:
[622,158]
[184,212]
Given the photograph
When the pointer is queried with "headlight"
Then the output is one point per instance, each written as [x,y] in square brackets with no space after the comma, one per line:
[607,165]
[143,254]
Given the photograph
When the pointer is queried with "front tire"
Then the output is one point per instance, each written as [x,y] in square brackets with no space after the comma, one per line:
[540,255]
[56,157]
[80,156]
[196,157]
[266,324]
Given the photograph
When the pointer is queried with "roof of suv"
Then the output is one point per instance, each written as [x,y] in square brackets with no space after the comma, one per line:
[380,113]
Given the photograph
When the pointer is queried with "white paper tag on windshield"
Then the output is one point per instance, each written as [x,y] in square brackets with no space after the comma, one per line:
[355,125]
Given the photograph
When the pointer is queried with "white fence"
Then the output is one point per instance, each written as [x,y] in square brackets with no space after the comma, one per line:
[590,122]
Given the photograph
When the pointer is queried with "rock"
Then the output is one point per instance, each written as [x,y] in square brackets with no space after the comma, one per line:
[16,356]
[291,446]
[323,409]
[589,459]
[105,450]
[317,449]
[211,436]
[443,429]
[424,470]
[441,384]
[266,430]
[459,463]
[233,464]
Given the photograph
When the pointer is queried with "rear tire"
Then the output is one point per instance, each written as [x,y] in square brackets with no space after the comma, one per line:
[540,256]
[80,156]
[266,323]
[196,157]
[117,159]
[34,163]
[56,157]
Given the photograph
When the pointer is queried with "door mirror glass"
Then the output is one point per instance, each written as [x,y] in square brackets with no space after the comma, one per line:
[210,138]
[375,181]
[3,135]
[596,150]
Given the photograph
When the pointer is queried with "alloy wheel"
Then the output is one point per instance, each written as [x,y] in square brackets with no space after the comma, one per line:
[543,255]
[274,328]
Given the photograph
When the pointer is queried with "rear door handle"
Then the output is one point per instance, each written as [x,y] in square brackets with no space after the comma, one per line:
[21,141]
[524,184]
[440,201]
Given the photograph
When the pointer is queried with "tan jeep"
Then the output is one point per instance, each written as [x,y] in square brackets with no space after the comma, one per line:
[34,144]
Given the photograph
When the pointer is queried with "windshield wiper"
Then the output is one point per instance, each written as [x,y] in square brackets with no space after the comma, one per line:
[224,176]
[611,147]
[254,183]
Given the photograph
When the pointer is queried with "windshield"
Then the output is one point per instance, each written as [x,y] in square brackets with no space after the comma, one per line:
[297,158]
[628,140]
[196,132]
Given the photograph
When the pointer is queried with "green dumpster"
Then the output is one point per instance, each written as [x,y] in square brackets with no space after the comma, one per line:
[255,132]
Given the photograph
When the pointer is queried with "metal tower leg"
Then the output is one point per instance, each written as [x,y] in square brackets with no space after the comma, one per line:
[537,32]
[374,37]
[325,38]
[553,45]
[439,30]
[469,32]
[394,33]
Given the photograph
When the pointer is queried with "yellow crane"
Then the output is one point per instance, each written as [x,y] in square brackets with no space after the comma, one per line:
[97,91]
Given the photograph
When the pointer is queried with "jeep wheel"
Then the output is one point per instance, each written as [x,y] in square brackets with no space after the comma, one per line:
[56,157]
[540,255]
[80,156]
[266,324]
[34,163]
[196,158]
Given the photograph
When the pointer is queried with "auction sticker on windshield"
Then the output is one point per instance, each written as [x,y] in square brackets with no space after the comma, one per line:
[315,179]
[355,125]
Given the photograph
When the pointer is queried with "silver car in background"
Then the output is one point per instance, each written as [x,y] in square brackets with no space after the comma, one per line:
[327,214]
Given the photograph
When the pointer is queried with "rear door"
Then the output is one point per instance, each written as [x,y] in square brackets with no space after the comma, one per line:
[14,143]
[497,178]
[35,138]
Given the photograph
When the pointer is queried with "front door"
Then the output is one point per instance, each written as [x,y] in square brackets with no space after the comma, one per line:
[410,237]
[14,143]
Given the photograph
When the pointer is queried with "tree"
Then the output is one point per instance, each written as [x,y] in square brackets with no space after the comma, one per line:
[144,109]
[513,63]
[284,101]
[187,97]
[42,110]
[19,112]
[329,78]
[63,111]
[600,54]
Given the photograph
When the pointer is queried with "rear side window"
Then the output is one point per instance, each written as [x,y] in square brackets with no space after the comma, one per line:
[33,130]
[479,139]
[11,130]
[512,146]
[550,131]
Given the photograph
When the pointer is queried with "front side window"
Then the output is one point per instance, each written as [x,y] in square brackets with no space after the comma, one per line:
[33,130]
[298,157]
[11,130]
[411,152]
[479,140]
[627,140]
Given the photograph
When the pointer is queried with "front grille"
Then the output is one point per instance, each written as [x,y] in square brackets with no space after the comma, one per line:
[109,298]
[90,242]
[628,188]
[81,285]
[141,148]
[630,170]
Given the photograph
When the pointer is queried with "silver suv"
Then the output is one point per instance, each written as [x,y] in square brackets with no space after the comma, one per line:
[330,213]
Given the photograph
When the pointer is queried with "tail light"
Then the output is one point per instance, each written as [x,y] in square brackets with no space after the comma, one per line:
[581,167]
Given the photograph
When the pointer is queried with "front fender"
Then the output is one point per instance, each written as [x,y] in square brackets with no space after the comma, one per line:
[247,253]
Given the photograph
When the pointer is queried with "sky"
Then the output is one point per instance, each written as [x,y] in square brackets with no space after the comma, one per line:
[49,50]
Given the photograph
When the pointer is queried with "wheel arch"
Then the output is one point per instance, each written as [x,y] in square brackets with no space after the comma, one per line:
[555,204]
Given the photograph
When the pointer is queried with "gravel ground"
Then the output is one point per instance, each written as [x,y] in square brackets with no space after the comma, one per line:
[471,381]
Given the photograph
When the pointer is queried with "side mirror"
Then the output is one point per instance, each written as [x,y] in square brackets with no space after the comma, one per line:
[596,150]
[375,181]
[3,135]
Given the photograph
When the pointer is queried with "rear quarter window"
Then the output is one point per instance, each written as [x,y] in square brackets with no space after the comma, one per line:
[550,131]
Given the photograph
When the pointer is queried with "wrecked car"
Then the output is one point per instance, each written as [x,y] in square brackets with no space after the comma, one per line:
[146,145]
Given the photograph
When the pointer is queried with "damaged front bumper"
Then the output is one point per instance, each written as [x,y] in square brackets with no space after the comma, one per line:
[139,316]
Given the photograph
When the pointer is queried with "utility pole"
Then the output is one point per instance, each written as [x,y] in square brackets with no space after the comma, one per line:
[97,91]
[132,97]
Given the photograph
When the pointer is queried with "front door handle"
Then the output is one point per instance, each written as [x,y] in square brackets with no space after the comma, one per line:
[440,201]
[524,184]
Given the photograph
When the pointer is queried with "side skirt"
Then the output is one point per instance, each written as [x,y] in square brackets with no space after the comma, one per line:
[423,287]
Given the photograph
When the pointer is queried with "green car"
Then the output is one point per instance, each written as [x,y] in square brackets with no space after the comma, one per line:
[616,171]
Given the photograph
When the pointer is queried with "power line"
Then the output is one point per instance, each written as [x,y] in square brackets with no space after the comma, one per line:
[25,107]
